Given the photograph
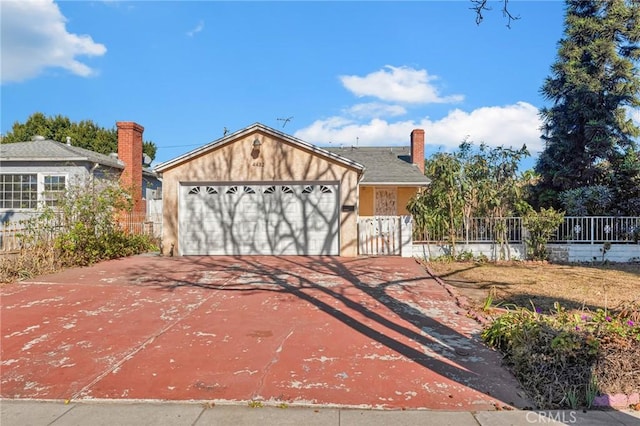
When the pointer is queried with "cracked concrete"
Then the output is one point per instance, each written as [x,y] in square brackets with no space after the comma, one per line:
[365,332]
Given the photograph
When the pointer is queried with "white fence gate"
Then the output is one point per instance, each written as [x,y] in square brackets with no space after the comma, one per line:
[385,235]
[379,235]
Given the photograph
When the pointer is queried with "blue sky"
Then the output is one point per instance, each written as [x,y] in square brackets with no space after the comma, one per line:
[348,73]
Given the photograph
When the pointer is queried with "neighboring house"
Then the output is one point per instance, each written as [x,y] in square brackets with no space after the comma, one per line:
[35,173]
[261,191]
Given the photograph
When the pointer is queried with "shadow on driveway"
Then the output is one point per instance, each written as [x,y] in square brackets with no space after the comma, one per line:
[366,332]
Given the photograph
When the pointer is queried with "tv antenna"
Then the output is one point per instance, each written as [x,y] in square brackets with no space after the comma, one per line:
[225,131]
[285,120]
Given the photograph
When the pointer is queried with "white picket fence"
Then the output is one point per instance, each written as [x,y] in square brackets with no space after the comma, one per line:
[379,235]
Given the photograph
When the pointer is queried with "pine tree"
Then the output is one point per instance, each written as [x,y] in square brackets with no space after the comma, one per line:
[590,139]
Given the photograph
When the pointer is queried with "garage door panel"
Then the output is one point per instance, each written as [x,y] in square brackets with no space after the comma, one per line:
[259,219]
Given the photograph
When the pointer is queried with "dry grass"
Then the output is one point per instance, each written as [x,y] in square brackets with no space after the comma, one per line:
[574,287]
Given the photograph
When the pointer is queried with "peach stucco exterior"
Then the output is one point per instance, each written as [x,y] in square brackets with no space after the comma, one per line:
[261,157]
[366,199]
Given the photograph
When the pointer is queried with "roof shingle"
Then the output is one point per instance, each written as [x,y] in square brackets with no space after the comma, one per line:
[385,165]
[48,150]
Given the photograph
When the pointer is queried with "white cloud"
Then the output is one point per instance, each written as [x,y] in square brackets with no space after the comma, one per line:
[196,29]
[398,84]
[34,37]
[634,115]
[510,125]
[375,109]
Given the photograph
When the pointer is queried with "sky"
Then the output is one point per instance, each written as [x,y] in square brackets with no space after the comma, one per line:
[361,73]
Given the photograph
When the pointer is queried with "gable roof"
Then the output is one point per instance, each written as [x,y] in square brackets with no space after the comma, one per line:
[53,151]
[265,129]
[49,150]
[385,165]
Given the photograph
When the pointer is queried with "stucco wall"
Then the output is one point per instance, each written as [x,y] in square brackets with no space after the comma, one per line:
[491,251]
[561,253]
[366,201]
[404,195]
[593,253]
[275,161]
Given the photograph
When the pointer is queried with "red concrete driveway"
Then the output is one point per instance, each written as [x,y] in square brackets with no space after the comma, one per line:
[367,332]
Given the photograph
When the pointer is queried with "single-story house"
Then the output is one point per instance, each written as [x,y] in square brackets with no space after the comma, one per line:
[35,173]
[261,191]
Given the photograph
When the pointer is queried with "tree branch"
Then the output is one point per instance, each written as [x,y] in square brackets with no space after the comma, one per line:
[480,6]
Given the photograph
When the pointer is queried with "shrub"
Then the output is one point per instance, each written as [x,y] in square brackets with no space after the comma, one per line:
[81,229]
[540,226]
[563,359]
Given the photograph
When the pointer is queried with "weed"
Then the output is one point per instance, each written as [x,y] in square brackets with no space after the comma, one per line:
[591,391]
[564,359]
[255,404]
[571,396]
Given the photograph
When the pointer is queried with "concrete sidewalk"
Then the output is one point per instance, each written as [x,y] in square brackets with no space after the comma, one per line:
[121,413]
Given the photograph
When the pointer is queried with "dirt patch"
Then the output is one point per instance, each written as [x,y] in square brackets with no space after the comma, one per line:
[522,283]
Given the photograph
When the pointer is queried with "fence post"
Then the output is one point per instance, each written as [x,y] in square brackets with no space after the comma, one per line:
[406,236]
[593,228]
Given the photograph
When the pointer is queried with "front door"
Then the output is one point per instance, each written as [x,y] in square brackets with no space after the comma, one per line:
[385,202]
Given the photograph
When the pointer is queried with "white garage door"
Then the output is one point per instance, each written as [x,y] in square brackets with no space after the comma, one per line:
[253,219]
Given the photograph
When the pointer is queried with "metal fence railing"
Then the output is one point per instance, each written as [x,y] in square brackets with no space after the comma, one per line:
[598,229]
[588,229]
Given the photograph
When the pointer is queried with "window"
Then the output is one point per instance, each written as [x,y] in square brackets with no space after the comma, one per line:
[232,190]
[269,190]
[211,190]
[287,190]
[326,190]
[194,190]
[249,190]
[54,187]
[307,189]
[19,191]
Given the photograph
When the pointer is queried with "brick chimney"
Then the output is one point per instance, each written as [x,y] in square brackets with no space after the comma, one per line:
[417,148]
[130,152]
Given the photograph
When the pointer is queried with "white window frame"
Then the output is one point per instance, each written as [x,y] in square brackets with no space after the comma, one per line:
[40,188]
[42,192]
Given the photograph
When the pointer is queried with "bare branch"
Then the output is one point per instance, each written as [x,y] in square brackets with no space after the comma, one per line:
[507,14]
[480,6]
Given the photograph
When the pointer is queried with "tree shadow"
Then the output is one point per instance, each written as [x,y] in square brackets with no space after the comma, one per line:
[425,339]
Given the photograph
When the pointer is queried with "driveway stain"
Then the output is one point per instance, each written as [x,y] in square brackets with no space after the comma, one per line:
[357,332]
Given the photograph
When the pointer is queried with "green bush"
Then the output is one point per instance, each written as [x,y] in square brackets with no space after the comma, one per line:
[82,228]
[563,358]
[540,227]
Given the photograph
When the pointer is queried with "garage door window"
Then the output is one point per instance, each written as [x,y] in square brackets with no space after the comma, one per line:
[326,190]
[195,190]
[307,189]
[232,190]
[211,190]
[269,190]
[249,190]
[287,190]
